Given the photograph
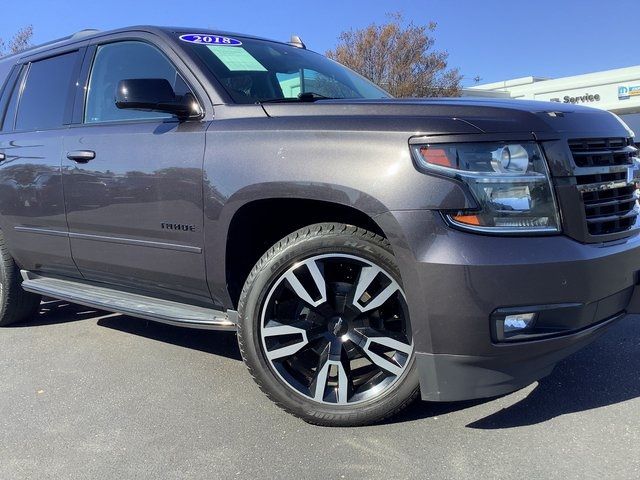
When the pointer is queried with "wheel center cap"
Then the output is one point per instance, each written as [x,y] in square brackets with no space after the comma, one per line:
[338,326]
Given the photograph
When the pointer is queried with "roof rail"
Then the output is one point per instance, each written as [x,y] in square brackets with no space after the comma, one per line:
[85,33]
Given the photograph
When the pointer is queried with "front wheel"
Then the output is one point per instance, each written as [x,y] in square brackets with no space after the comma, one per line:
[324,327]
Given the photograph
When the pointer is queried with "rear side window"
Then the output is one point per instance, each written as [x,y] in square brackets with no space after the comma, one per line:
[43,102]
[123,61]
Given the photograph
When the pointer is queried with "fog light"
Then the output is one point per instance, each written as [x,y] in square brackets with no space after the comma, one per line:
[518,322]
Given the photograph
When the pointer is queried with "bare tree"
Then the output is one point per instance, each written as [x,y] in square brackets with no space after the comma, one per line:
[399,57]
[19,42]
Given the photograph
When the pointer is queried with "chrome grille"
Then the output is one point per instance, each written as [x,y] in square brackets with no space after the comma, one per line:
[604,178]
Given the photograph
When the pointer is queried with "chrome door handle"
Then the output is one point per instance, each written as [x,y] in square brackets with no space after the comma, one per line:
[81,156]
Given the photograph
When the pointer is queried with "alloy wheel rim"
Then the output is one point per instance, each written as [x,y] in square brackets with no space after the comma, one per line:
[335,329]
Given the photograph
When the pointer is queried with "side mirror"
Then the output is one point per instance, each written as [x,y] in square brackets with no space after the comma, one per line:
[156,95]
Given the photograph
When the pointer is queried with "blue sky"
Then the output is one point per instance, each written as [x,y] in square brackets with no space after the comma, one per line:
[494,39]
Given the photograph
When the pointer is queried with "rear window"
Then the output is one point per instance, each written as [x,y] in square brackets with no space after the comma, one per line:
[44,99]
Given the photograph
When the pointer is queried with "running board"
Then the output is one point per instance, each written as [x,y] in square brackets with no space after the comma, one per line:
[149,308]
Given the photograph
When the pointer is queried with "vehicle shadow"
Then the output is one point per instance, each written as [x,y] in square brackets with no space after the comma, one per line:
[57,311]
[215,342]
[604,373]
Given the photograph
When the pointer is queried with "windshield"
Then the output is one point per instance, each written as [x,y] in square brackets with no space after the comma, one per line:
[255,71]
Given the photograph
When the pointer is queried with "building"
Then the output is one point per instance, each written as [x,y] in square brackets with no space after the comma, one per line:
[617,91]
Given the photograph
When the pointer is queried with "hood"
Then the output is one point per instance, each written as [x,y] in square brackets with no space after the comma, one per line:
[484,115]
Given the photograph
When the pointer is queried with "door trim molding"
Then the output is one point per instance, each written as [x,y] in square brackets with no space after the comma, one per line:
[42,231]
[107,239]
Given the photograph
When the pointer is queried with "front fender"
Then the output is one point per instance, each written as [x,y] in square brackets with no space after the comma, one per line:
[372,172]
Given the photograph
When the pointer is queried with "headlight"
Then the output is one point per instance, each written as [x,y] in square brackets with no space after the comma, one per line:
[510,182]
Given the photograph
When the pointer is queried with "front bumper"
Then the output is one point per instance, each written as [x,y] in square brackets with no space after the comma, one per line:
[455,280]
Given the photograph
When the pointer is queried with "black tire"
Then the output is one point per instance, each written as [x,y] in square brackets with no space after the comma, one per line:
[310,242]
[16,305]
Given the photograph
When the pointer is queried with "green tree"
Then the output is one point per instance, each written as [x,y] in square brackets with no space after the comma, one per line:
[399,57]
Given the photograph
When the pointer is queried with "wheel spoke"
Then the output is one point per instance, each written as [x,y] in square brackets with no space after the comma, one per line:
[319,384]
[383,362]
[368,275]
[301,291]
[279,330]
[343,384]
[365,338]
[393,344]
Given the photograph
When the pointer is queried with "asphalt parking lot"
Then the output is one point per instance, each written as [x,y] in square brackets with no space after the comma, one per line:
[88,395]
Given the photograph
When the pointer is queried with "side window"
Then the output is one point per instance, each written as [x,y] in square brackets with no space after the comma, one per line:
[43,102]
[124,61]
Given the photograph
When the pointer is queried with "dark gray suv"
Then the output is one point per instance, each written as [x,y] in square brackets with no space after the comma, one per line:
[367,250]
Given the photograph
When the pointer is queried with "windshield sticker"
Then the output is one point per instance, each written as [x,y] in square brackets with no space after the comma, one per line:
[210,40]
[237,59]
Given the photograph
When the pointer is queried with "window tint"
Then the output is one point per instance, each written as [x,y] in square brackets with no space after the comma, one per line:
[124,61]
[44,99]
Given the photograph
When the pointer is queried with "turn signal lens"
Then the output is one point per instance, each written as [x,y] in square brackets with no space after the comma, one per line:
[467,219]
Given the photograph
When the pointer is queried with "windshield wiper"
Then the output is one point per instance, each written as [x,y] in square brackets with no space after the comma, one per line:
[302,97]
[312,97]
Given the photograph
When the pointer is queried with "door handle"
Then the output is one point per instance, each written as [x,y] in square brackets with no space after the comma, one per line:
[3,157]
[81,156]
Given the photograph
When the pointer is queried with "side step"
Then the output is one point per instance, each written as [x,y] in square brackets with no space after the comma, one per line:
[150,308]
